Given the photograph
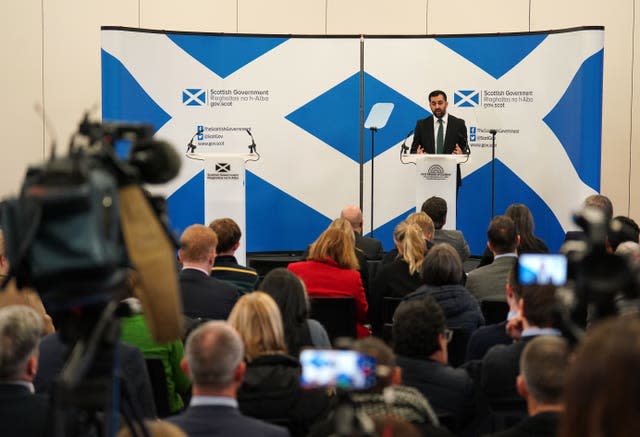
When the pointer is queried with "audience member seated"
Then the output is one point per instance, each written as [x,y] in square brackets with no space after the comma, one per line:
[529,243]
[600,201]
[371,247]
[388,397]
[602,385]
[436,208]
[214,360]
[488,281]
[331,271]
[402,276]
[426,225]
[22,413]
[420,340]
[53,354]
[442,274]
[134,331]
[225,266]
[488,336]
[271,388]
[543,364]
[363,267]
[501,365]
[631,251]
[299,330]
[202,296]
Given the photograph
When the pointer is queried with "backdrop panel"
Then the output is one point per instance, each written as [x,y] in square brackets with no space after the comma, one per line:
[300,99]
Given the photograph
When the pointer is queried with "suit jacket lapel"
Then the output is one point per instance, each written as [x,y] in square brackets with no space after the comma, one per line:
[431,143]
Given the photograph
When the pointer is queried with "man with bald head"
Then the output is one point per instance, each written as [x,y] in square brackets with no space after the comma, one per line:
[202,296]
[371,247]
[214,360]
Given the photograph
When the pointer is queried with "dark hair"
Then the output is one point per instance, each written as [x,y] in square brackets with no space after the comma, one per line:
[623,229]
[602,385]
[537,304]
[601,202]
[288,292]
[416,326]
[436,93]
[228,233]
[502,234]
[523,219]
[442,266]
[436,208]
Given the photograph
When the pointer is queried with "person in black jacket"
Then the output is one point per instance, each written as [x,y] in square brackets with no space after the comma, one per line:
[271,389]
[22,413]
[202,296]
[442,274]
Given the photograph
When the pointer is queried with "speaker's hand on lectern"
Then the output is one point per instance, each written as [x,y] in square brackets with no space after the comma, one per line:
[457,150]
[420,149]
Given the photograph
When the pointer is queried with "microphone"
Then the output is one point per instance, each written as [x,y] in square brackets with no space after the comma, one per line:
[464,145]
[157,162]
[493,131]
[252,147]
[191,147]
[404,148]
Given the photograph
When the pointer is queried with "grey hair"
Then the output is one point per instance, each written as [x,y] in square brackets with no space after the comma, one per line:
[214,351]
[20,329]
[543,364]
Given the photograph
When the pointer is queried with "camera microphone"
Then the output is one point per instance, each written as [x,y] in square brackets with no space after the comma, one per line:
[157,162]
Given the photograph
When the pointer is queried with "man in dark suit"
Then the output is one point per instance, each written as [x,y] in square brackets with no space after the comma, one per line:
[214,359]
[371,247]
[420,342]
[436,208]
[542,368]
[488,281]
[501,365]
[203,296]
[22,413]
[441,132]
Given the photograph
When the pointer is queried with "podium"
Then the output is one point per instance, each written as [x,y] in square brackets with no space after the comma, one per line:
[436,176]
[225,192]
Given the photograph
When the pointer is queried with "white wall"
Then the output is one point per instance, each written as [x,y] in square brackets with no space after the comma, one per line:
[51,56]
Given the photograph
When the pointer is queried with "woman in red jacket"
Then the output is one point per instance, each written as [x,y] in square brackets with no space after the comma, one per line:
[331,270]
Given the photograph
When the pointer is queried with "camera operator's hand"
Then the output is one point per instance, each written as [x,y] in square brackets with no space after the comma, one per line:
[514,327]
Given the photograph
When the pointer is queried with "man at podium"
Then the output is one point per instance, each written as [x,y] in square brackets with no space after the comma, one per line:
[441,132]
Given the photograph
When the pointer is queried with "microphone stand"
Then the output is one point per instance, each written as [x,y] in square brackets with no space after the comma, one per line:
[373,131]
[493,133]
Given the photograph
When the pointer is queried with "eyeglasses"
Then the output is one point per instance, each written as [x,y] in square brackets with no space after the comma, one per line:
[448,334]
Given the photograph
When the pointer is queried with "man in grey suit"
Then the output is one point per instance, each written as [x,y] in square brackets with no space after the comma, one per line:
[489,281]
[436,208]
[371,247]
[214,359]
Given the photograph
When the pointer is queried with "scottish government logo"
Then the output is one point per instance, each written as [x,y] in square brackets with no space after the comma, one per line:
[466,98]
[194,97]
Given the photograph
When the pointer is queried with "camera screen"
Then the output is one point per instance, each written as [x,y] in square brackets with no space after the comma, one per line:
[542,269]
[344,369]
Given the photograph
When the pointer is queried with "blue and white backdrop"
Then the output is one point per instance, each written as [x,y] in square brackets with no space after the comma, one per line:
[300,97]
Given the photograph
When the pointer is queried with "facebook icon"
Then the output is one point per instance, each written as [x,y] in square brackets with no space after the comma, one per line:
[472,133]
[200,132]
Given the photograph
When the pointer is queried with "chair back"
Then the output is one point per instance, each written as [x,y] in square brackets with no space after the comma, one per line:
[337,315]
[158,379]
[457,347]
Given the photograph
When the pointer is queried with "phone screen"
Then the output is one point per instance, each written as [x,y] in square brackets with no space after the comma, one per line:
[344,369]
[542,269]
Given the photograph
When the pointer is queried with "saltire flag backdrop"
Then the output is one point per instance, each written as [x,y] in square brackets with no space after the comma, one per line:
[300,97]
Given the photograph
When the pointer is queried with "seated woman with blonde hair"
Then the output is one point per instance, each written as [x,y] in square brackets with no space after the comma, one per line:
[271,389]
[331,270]
[402,276]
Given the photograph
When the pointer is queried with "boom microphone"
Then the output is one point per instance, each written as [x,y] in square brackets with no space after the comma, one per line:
[157,162]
